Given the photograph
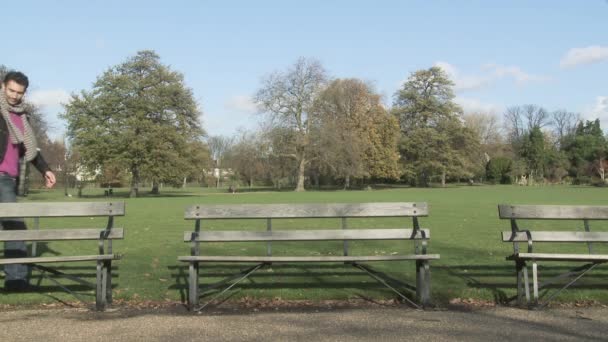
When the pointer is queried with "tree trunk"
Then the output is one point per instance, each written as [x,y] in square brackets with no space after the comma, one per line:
[218,181]
[134,183]
[184,182]
[347,182]
[155,190]
[443,179]
[301,169]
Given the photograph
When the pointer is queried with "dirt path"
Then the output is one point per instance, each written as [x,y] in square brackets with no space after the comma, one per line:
[352,324]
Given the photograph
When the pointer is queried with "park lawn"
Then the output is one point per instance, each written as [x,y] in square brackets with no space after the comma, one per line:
[464,224]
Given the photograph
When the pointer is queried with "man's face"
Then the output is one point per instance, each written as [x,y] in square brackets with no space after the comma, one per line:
[14,92]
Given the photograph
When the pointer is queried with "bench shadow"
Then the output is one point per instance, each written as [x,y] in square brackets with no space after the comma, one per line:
[498,278]
[316,278]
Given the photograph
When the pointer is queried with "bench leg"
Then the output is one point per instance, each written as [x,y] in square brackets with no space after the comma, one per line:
[423,282]
[520,268]
[526,284]
[193,285]
[100,291]
[108,267]
[535,281]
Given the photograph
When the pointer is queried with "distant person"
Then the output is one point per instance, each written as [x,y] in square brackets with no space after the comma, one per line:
[17,147]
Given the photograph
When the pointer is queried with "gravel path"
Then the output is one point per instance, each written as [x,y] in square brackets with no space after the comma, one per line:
[354,324]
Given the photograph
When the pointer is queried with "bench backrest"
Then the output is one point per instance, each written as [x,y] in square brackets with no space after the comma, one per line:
[552,212]
[341,211]
[247,211]
[63,209]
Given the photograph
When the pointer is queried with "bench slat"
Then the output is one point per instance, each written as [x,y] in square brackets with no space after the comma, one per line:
[309,235]
[243,211]
[216,258]
[60,234]
[552,236]
[558,257]
[40,260]
[549,212]
[61,209]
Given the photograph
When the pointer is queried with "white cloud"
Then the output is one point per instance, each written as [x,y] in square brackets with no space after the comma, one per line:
[501,71]
[490,73]
[48,97]
[586,55]
[470,105]
[598,111]
[463,82]
[241,103]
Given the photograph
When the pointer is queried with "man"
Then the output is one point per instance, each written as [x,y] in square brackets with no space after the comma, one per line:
[17,147]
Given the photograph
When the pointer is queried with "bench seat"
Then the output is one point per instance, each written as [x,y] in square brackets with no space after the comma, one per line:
[71,258]
[558,257]
[219,258]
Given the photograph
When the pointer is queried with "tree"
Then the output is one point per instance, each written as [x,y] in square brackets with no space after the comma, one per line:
[434,142]
[218,147]
[354,135]
[287,97]
[587,150]
[520,120]
[247,157]
[498,170]
[564,123]
[533,151]
[139,116]
[199,160]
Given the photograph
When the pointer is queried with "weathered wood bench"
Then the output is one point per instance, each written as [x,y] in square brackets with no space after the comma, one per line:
[104,236]
[342,213]
[558,239]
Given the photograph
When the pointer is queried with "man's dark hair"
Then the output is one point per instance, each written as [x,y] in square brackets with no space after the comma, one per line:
[18,77]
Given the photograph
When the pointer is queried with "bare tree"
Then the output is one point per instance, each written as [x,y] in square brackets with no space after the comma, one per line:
[564,123]
[535,116]
[218,146]
[287,97]
[485,125]
[522,119]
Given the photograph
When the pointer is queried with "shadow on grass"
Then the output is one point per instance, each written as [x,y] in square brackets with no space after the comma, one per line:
[287,276]
[49,288]
[498,278]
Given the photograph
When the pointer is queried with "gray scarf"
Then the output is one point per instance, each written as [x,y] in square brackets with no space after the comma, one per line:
[16,136]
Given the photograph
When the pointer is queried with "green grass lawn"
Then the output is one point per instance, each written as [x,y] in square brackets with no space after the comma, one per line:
[464,224]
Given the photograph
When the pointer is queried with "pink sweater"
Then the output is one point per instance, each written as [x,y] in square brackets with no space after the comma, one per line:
[10,164]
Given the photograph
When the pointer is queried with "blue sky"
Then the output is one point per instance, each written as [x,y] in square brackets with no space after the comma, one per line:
[499,53]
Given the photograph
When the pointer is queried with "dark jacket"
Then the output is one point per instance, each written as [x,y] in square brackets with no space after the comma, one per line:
[38,162]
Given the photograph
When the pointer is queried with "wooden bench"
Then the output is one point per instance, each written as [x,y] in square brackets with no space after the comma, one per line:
[558,238]
[342,213]
[104,236]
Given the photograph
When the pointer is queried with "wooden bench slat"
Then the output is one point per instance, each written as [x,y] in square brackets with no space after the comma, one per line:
[217,258]
[558,257]
[60,234]
[309,235]
[61,209]
[553,236]
[39,260]
[553,212]
[243,211]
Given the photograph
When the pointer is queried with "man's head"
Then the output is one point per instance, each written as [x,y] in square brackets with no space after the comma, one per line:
[14,86]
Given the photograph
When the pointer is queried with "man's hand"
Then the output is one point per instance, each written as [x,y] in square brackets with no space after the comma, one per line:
[50,179]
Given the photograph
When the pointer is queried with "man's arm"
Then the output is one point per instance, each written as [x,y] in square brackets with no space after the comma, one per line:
[41,165]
